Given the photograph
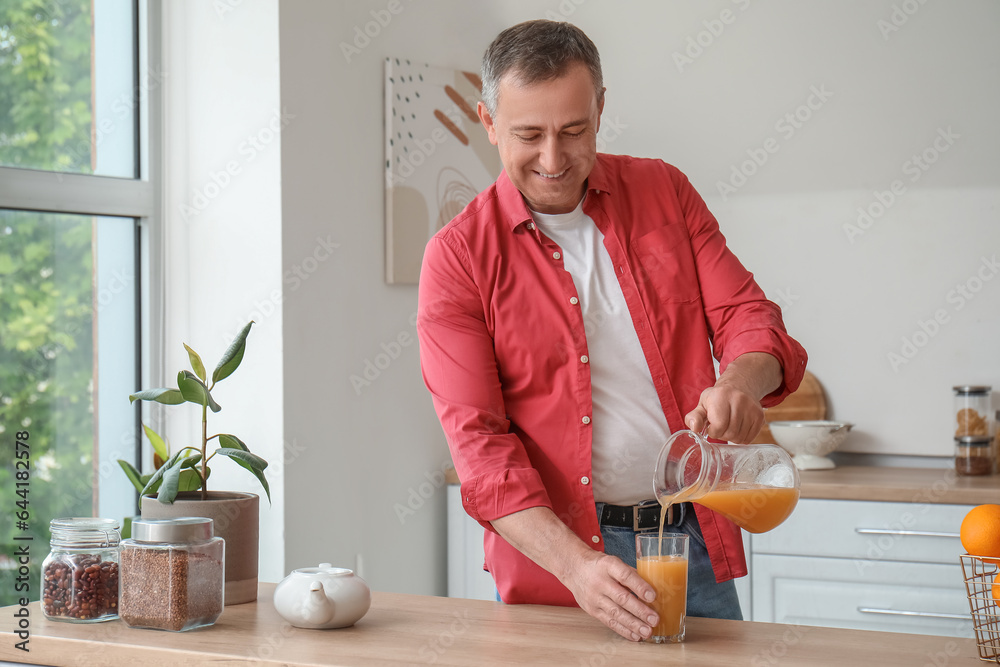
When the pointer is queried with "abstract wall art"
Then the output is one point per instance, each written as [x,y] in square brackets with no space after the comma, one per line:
[437,157]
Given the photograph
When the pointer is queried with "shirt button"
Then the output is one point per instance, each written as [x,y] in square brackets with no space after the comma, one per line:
[556,255]
[584,359]
[573,300]
[584,480]
[586,420]
[595,539]
[531,225]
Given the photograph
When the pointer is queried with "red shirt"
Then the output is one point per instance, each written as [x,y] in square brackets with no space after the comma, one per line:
[501,336]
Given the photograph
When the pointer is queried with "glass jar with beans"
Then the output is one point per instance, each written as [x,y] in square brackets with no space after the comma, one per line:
[80,574]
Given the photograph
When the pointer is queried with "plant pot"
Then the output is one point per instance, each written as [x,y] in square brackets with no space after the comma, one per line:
[235,516]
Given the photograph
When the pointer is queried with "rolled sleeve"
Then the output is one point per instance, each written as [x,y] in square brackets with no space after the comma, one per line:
[779,345]
[496,494]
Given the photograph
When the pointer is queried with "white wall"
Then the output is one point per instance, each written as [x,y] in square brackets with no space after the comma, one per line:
[222,218]
[360,453]
[850,294]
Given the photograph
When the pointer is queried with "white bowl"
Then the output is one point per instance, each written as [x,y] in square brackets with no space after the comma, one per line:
[810,441]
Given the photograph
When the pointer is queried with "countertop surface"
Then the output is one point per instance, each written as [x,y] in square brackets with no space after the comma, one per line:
[412,629]
[903,485]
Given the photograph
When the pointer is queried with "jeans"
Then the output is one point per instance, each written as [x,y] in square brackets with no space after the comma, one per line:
[705,597]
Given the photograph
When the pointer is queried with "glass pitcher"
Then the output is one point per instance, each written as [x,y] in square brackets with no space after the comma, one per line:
[755,486]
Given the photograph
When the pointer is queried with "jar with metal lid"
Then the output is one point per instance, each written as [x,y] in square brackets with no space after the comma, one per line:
[80,573]
[172,574]
[973,411]
[974,455]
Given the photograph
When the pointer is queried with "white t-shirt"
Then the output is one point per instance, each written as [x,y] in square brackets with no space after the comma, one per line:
[629,426]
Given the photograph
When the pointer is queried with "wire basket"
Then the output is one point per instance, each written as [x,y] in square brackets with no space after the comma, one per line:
[980,574]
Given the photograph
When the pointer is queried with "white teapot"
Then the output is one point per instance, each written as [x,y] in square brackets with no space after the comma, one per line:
[322,597]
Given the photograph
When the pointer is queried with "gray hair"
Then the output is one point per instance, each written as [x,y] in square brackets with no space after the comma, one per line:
[536,51]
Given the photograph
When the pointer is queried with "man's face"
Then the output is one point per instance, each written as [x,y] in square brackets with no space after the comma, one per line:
[547,136]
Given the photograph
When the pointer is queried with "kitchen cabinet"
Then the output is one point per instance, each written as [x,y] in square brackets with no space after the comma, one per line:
[865,565]
[466,576]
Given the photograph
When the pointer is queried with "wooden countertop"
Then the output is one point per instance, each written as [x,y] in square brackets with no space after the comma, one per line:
[904,485]
[412,629]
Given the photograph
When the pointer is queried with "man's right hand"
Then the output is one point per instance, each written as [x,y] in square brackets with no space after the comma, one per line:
[606,588]
[603,586]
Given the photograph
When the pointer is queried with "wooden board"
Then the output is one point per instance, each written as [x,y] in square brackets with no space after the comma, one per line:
[805,403]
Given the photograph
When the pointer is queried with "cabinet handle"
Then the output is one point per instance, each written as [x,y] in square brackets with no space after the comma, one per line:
[918,533]
[894,612]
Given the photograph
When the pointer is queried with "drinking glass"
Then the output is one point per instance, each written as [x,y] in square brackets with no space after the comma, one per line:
[663,563]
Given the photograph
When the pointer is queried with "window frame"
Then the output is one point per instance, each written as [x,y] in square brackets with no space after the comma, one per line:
[139,198]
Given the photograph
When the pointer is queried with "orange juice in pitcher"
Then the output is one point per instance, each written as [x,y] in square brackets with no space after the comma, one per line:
[755,486]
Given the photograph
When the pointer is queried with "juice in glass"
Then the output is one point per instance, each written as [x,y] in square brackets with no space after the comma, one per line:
[663,563]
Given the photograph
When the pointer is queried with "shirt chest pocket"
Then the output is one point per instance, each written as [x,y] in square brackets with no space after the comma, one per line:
[665,264]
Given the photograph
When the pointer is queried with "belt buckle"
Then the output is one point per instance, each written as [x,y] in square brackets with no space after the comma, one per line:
[635,513]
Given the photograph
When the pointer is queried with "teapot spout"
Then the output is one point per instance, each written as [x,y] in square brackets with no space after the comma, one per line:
[317,609]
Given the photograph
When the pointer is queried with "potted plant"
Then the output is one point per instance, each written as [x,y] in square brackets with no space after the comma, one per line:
[179,486]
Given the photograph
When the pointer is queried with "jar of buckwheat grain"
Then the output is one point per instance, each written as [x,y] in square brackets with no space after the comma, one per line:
[80,573]
[172,574]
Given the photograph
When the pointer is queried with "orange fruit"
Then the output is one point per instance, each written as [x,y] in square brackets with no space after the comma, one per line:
[980,532]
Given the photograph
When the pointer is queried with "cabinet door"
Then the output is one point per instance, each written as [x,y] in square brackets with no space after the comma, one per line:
[466,577]
[868,532]
[921,598]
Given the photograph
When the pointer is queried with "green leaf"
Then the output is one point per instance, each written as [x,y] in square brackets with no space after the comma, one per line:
[159,446]
[164,396]
[196,364]
[177,459]
[232,442]
[251,462]
[133,475]
[190,480]
[171,481]
[191,461]
[194,390]
[233,355]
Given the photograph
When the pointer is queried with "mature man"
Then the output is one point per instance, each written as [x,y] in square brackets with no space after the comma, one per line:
[567,322]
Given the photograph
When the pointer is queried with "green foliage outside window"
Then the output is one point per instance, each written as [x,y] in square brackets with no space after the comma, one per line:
[46,293]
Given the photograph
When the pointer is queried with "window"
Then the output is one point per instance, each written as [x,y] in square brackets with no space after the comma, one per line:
[78,226]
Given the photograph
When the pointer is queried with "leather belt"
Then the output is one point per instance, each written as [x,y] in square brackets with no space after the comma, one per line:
[643,516]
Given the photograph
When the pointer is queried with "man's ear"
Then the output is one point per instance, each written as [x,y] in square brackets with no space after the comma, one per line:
[487,120]
[600,108]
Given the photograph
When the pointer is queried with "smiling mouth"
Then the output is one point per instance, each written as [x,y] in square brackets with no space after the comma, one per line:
[552,175]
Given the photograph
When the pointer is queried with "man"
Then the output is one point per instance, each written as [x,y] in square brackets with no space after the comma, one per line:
[567,322]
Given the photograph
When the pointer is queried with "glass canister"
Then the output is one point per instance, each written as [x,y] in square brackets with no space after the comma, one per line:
[172,574]
[974,455]
[973,411]
[80,575]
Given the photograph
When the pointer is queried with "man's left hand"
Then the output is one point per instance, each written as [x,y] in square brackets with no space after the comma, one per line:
[731,409]
[731,414]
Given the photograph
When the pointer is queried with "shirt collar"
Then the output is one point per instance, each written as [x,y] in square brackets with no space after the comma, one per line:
[513,207]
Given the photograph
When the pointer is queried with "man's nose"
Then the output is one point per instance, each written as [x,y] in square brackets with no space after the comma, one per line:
[550,157]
